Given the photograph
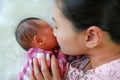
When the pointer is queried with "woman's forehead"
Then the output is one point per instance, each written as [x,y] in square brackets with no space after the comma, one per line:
[57,15]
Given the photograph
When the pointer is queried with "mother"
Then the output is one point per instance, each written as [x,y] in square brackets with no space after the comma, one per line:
[91,27]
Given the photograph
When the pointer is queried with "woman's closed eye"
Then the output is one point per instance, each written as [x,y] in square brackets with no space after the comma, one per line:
[55,27]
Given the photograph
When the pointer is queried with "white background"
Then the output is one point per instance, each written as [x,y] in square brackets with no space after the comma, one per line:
[12,56]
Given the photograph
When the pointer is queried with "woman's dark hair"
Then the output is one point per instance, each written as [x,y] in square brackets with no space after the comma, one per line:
[25,32]
[85,13]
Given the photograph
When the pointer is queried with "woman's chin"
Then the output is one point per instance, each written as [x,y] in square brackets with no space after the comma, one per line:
[65,52]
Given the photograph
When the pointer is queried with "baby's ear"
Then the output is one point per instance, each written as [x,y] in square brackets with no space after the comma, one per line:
[38,39]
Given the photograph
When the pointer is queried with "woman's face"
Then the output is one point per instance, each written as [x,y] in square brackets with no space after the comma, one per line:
[71,42]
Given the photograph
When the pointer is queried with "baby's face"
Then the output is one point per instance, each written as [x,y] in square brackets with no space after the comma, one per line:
[49,38]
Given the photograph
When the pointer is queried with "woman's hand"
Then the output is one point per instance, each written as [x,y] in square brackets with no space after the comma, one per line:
[44,74]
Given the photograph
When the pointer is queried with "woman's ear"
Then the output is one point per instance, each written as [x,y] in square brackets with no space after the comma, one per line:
[93,37]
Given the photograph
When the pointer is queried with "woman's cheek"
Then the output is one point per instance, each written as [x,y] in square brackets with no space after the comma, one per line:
[59,40]
[62,41]
[54,32]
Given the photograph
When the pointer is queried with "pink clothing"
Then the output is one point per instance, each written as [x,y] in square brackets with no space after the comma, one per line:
[35,53]
[108,71]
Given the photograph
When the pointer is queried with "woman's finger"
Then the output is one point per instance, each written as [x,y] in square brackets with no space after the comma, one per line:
[31,76]
[37,72]
[54,67]
[67,68]
[44,68]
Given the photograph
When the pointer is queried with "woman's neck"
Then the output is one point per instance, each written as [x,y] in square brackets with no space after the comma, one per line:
[104,55]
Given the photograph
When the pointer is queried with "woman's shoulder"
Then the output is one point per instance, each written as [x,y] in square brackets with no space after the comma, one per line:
[110,67]
[108,70]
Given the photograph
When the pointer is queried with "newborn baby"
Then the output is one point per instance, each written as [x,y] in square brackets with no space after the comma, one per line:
[36,37]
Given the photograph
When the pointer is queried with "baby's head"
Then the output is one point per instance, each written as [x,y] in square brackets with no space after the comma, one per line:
[34,32]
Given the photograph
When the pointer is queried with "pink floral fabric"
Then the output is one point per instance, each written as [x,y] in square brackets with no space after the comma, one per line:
[108,71]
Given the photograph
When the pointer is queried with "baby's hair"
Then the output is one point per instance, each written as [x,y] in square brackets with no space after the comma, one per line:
[25,32]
